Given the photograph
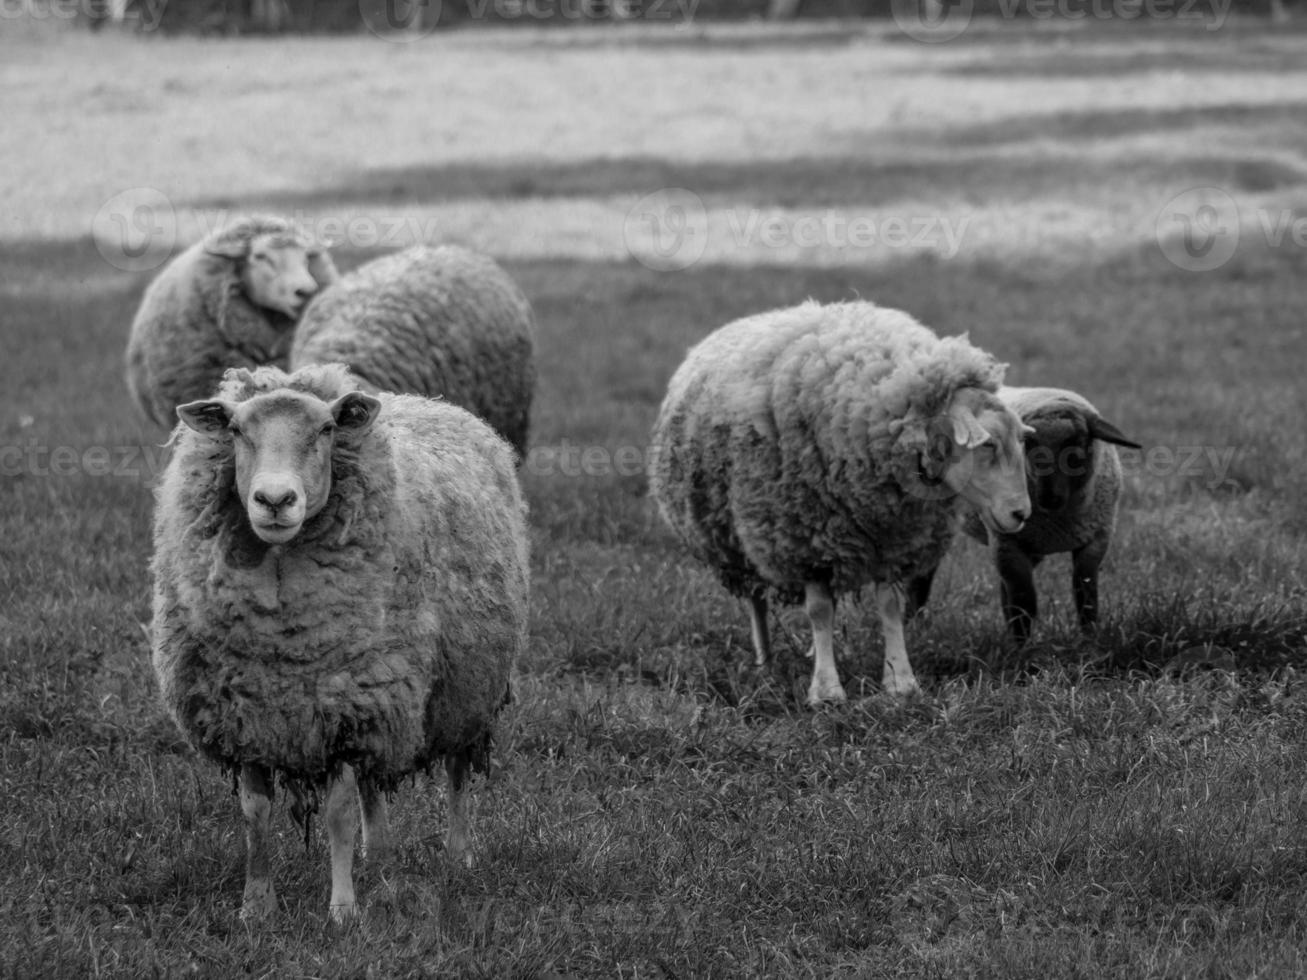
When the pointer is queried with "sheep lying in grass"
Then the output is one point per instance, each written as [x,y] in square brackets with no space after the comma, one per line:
[1074,477]
[441,322]
[340,592]
[230,300]
[812,450]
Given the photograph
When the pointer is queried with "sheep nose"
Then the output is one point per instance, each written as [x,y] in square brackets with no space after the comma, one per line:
[274,501]
[305,292]
[1021,515]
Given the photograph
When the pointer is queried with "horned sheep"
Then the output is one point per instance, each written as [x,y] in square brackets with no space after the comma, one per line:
[340,590]
[809,451]
[230,300]
[441,322]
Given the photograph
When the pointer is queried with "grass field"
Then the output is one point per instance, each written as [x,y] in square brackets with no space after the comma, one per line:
[1131,805]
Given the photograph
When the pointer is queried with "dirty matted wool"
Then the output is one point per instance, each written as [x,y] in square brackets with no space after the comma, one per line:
[383,635]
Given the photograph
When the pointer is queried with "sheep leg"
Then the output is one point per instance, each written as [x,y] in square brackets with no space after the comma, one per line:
[1016,573]
[896,677]
[758,630]
[342,821]
[376,822]
[259,900]
[458,843]
[811,652]
[820,607]
[1084,580]
[918,593]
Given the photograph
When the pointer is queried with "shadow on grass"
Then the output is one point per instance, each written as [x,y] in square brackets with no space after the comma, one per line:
[1137,55]
[849,181]
[1099,124]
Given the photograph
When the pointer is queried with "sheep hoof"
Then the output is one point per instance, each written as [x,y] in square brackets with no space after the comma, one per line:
[259,902]
[462,857]
[900,687]
[459,852]
[344,913]
[825,693]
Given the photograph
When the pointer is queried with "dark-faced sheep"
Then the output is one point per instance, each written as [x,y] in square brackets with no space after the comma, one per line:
[1074,476]
[340,590]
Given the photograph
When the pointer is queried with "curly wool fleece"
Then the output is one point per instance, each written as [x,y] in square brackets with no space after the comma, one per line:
[382,636]
[788,446]
[442,322]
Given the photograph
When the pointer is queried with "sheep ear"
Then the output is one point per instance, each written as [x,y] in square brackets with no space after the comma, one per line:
[356,411]
[967,430]
[1102,429]
[206,416]
[234,243]
[937,449]
[321,268]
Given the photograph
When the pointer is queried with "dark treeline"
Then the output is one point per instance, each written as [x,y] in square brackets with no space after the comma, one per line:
[384,16]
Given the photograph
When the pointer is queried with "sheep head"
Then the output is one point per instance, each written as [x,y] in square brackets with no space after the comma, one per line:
[282,446]
[279,267]
[1060,453]
[973,450]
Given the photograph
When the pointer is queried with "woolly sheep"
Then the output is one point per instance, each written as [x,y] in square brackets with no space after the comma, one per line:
[441,322]
[812,450]
[340,590]
[1074,478]
[229,300]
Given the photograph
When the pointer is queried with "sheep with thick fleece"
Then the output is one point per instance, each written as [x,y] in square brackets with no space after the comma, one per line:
[441,322]
[340,590]
[1074,476]
[813,450]
[230,300]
